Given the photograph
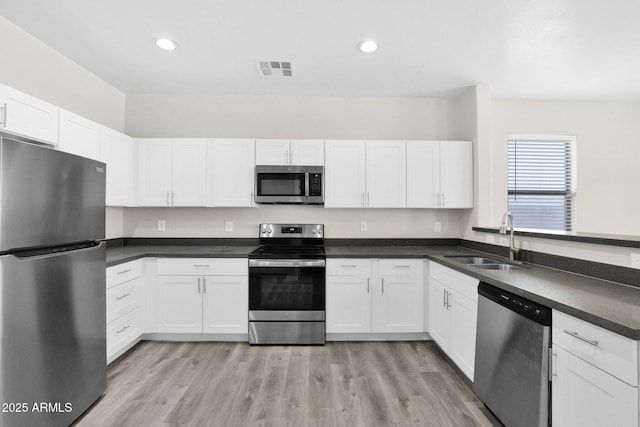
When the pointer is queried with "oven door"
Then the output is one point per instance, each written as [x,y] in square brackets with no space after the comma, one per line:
[286,290]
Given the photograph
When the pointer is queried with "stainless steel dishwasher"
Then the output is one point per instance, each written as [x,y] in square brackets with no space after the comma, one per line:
[512,358]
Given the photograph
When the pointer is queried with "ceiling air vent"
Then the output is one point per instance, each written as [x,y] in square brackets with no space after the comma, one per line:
[275,68]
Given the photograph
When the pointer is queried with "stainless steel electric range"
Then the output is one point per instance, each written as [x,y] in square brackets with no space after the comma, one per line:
[287,285]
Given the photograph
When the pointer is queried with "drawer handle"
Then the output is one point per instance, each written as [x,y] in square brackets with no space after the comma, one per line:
[201,265]
[402,266]
[124,271]
[576,335]
[348,266]
[124,328]
[123,296]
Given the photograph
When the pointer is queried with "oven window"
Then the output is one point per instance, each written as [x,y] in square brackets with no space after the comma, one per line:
[286,288]
[281,184]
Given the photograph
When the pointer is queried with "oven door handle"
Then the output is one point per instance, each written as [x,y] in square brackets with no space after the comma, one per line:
[286,263]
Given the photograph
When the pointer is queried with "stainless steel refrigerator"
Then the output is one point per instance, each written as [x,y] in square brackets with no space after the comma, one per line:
[52,284]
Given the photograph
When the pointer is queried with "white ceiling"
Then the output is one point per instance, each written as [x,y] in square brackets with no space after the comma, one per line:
[533,49]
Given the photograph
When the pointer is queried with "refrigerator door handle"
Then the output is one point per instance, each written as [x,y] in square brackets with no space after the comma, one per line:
[53,252]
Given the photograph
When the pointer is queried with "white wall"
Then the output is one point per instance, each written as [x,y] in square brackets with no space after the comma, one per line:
[339,223]
[34,68]
[288,117]
[608,150]
[297,117]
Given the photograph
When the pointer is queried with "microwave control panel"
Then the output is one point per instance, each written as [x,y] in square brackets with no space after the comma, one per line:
[315,184]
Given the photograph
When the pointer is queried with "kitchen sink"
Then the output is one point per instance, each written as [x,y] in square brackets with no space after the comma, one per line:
[484,263]
[499,266]
[474,260]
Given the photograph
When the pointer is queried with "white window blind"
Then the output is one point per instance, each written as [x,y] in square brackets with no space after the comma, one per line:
[541,183]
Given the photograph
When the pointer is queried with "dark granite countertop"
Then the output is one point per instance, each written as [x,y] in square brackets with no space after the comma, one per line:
[611,305]
[129,253]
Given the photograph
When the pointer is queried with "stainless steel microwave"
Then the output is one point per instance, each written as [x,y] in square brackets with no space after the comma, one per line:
[289,184]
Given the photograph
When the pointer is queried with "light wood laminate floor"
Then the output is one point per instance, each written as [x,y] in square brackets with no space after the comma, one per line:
[233,384]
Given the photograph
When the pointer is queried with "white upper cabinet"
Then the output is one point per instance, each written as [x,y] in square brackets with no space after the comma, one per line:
[456,174]
[119,153]
[439,174]
[307,152]
[231,172]
[365,174]
[344,174]
[189,172]
[172,172]
[29,116]
[386,174]
[79,136]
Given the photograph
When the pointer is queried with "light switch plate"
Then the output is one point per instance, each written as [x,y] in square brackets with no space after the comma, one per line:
[228,226]
[162,225]
[635,260]
[437,227]
[363,225]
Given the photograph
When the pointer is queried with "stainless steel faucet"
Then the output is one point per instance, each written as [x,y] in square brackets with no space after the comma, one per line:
[508,222]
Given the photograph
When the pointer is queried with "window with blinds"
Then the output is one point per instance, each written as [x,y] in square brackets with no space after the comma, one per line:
[541,183]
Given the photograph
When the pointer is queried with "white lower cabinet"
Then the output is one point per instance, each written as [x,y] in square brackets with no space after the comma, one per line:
[374,296]
[453,308]
[594,375]
[202,295]
[125,307]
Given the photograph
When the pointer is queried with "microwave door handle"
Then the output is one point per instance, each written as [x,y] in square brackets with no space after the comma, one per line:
[306,184]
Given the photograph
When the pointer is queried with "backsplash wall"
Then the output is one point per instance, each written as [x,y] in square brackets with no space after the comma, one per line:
[339,223]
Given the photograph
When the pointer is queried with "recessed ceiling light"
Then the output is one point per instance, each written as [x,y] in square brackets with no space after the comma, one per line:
[165,44]
[368,46]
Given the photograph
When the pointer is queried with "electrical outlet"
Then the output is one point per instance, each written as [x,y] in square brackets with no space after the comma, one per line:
[162,225]
[503,241]
[635,260]
[228,226]
[363,225]
[437,227]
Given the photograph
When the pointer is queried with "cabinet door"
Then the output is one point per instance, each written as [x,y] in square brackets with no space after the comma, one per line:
[189,172]
[463,315]
[231,170]
[225,304]
[456,166]
[119,153]
[386,171]
[179,304]
[423,174]
[583,395]
[79,136]
[29,116]
[307,152]
[154,172]
[397,304]
[344,174]
[348,304]
[272,152]
[439,322]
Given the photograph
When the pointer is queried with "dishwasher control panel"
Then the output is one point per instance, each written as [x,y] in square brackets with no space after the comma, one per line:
[523,306]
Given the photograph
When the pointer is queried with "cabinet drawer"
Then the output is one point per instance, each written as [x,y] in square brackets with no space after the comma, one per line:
[203,266]
[604,349]
[123,331]
[123,298]
[400,267]
[123,272]
[348,267]
[459,282]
